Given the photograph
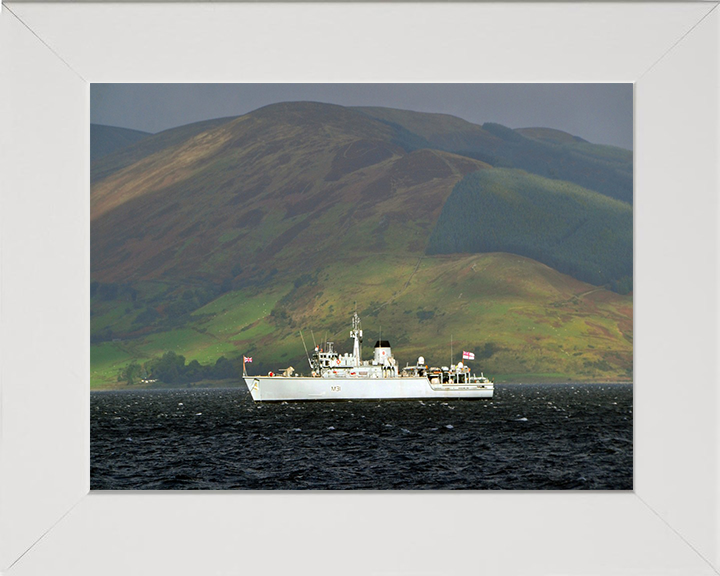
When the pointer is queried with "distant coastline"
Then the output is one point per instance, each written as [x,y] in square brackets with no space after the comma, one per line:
[232,383]
[202,385]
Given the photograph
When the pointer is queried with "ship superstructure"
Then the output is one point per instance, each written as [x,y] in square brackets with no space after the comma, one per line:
[336,376]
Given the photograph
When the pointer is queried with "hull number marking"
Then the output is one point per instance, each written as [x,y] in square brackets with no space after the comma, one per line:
[335,388]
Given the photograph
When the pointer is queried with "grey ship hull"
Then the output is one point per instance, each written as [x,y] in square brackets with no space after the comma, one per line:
[279,388]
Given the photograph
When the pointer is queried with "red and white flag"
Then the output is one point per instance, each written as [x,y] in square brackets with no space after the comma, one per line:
[468,355]
[246,359]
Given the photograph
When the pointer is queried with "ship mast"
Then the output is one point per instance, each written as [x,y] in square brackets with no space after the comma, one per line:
[356,335]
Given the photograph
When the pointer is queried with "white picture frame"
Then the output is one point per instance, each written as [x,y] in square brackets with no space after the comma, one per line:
[50,523]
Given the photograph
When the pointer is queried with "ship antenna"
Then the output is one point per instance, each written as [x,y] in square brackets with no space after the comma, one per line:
[306,351]
[451,354]
[313,337]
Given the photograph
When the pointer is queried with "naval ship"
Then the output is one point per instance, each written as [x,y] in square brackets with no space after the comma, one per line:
[336,376]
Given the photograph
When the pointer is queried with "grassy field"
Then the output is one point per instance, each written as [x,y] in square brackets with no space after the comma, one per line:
[524,321]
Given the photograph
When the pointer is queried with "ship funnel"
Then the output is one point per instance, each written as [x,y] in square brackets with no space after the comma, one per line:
[383,353]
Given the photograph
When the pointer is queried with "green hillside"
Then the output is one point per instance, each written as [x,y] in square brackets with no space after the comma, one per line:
[122,156]
[218,239]
[523,320]
[549,153]
[283,188]
[575,231]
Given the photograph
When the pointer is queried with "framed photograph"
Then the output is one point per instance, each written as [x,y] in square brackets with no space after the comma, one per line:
[268,279]
[50,54]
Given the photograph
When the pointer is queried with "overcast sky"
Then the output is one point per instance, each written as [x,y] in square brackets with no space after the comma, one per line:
[599,113]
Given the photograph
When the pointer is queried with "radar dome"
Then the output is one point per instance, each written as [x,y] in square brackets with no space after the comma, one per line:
[421,361]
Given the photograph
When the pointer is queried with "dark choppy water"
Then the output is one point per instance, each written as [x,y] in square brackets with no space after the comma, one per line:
[531,437]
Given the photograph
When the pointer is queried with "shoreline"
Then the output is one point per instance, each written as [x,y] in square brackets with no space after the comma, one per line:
[233,384]
[566,383]
[202,385]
